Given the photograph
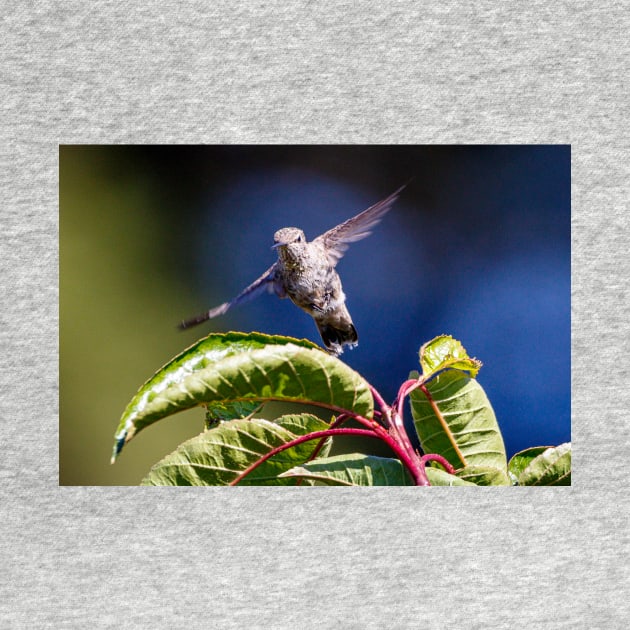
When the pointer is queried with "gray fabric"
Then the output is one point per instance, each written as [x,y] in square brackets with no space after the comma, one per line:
[234,72]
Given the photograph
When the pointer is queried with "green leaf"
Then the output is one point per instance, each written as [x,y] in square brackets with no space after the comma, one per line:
[439,477]
[521,460]
[353,469]
[465,432]
[227,371]
[484,476]
[552,467]
[218,456]
[221,412]
[445,352]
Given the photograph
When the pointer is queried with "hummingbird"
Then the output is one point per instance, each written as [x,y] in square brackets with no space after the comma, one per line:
[305,272]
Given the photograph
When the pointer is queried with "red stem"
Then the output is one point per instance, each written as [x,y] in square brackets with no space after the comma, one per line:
[412,464]
[337,423]
[405,389]
[397,439]
[303,438]
[379,400]
[434,457]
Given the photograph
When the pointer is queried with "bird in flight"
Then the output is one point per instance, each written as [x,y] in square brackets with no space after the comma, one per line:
[305,273]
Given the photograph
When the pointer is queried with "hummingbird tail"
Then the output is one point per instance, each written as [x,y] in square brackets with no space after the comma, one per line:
[336,338]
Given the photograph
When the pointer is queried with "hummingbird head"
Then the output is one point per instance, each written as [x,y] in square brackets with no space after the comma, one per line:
[289,242]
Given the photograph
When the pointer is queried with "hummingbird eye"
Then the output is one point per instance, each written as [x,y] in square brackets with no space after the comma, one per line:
[299,239]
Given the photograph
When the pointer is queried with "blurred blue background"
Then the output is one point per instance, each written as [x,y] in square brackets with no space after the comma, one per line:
[478,247]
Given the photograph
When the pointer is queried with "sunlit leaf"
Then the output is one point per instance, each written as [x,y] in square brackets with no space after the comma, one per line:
[218,456]
[464,430]
[439,477]
[521,460]
[552,467]
[484,476]
[226,371]
[353,469]
[445,352]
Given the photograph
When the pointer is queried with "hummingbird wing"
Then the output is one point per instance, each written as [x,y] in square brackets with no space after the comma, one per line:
[338,239]
[266,282]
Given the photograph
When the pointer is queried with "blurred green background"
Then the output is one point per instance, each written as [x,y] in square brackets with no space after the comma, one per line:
[119,302]
[478,246]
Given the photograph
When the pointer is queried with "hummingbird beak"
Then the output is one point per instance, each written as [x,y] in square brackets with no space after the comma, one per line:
[276,245]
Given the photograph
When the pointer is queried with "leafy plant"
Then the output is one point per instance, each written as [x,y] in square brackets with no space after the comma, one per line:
[233,375]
